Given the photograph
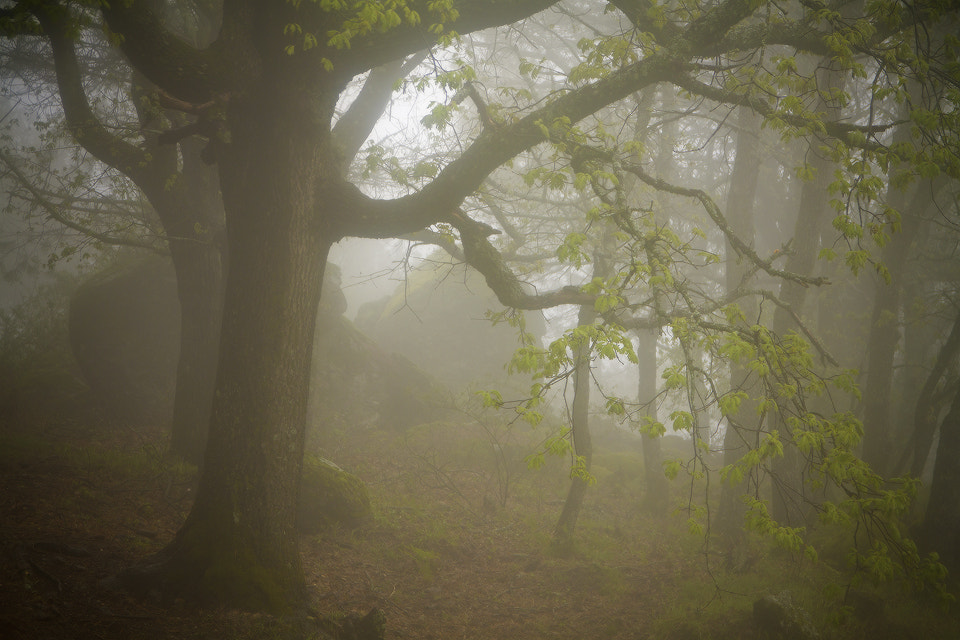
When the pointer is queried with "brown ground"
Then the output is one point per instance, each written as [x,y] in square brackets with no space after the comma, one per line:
[77,505]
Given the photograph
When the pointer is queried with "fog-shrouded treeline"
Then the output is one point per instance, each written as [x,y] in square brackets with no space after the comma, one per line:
[738,218]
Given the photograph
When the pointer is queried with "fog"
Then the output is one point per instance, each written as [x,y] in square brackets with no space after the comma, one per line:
[636,321]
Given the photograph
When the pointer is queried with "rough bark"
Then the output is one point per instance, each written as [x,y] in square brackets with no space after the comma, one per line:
[239,544]
[941,523]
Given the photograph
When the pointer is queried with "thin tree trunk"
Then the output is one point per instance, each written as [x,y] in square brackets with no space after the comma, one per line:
[885,330]
[740,208]
[788,491]
[582,443]
[656,497]
[885,326]
[927,407]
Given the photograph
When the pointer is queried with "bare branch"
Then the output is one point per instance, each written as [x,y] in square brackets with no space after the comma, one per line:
[54,211]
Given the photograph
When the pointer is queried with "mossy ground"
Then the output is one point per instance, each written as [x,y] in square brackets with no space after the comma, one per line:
[440,556]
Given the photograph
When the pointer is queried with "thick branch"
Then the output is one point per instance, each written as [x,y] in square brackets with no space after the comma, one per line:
[355,125]
[81,120]
[705,32]
[496,145]
[365,217]
[166,59]
[483,256]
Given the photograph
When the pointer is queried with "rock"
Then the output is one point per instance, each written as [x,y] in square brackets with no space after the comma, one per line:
[356,382]
[333,302]
[329,495]
[125,335]
[778,618]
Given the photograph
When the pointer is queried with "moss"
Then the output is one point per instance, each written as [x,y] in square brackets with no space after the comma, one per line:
[330,495]
[223,568]
[243,581]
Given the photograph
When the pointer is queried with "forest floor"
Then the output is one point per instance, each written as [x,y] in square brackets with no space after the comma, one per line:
[78,504]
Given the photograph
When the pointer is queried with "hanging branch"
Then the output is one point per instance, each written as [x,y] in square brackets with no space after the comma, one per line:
[713,210]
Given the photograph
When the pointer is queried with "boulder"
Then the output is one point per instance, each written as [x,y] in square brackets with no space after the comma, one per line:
[124,327]
[125,335]
[438,319]
[329,495]
[356,382]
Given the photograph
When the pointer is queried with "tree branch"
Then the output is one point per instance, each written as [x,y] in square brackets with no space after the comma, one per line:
[169,61]
[713,210]
[362,216]
[375,48]
[54,211]
[510,291]
[355,125]
[834,129]
[81,120]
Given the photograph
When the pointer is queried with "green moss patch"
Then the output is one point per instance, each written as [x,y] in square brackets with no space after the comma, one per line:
[329,495]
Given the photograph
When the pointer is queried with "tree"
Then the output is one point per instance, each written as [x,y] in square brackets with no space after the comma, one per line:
[265,92]
[740,208]
[170,171]
[182,189]
[941,524]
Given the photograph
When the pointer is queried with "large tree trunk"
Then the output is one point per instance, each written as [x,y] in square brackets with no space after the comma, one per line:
[239,545]
[195,229]
[941,524]
[193,217]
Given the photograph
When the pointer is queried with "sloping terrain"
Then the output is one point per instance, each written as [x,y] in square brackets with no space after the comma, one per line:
[440,558]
